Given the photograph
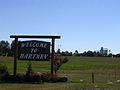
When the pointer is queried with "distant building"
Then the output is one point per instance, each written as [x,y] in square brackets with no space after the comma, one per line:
[104,51]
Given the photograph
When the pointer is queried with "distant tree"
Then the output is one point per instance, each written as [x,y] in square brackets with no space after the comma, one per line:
[70,54]
[114,55]
[110,55]
[4,48]
[84,53]
[63,53]
[13,47]
[58,51]
[97,54]
[76,53]
[66,53]
[118,55]
[90,53]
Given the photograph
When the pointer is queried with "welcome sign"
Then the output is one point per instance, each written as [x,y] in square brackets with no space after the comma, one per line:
[34,50]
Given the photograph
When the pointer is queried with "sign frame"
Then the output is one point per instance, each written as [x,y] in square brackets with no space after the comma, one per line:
[33,36]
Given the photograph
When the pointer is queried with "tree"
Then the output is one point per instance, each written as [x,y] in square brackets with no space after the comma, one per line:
[70,54]
[110,55]
[58,51]
[62,53]
[76,53]
[88,53]
[4,48]
[13,47]
[66,53]
[118,55]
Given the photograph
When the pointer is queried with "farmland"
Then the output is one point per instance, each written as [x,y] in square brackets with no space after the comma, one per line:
[78,70]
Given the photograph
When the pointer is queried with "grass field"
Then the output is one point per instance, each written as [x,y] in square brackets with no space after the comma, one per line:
[78,70]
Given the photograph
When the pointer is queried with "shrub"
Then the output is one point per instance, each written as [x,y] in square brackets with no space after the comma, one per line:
[63,79]
[47,77]
[4,74]
[59,61]
[36,78]
[65,60]
[20,78]
[29,69]
[32,78]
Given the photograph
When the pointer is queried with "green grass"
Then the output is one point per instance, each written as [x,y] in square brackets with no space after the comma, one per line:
[78,63]
[106,70]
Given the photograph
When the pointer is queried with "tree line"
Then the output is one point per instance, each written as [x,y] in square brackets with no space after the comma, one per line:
[7,49]
[87,54]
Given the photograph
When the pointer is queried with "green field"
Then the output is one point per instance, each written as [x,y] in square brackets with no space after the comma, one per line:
[78,70]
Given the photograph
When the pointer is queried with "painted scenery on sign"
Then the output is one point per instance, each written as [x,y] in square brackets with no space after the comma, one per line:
[34,50]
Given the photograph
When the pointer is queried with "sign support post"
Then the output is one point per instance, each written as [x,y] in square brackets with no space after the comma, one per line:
[15,56]
[52,57]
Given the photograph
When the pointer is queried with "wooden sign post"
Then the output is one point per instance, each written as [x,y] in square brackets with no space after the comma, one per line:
[52,57]
[33,50]
[15,56]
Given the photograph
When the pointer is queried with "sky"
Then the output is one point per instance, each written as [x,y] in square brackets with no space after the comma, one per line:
[82,24]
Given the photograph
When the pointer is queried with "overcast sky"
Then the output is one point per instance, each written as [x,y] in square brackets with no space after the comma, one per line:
[82,24]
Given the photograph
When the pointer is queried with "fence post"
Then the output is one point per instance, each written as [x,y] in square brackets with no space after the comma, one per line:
[93,80]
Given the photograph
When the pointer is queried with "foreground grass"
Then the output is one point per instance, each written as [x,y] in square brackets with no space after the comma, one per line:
[78,70]
[60,86]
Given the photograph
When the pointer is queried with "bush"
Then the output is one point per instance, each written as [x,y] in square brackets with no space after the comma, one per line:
[20,78]
[32,78]
[59,61]
[29,69]
[63,79]
[65,60]
[47,77]
[4,74]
